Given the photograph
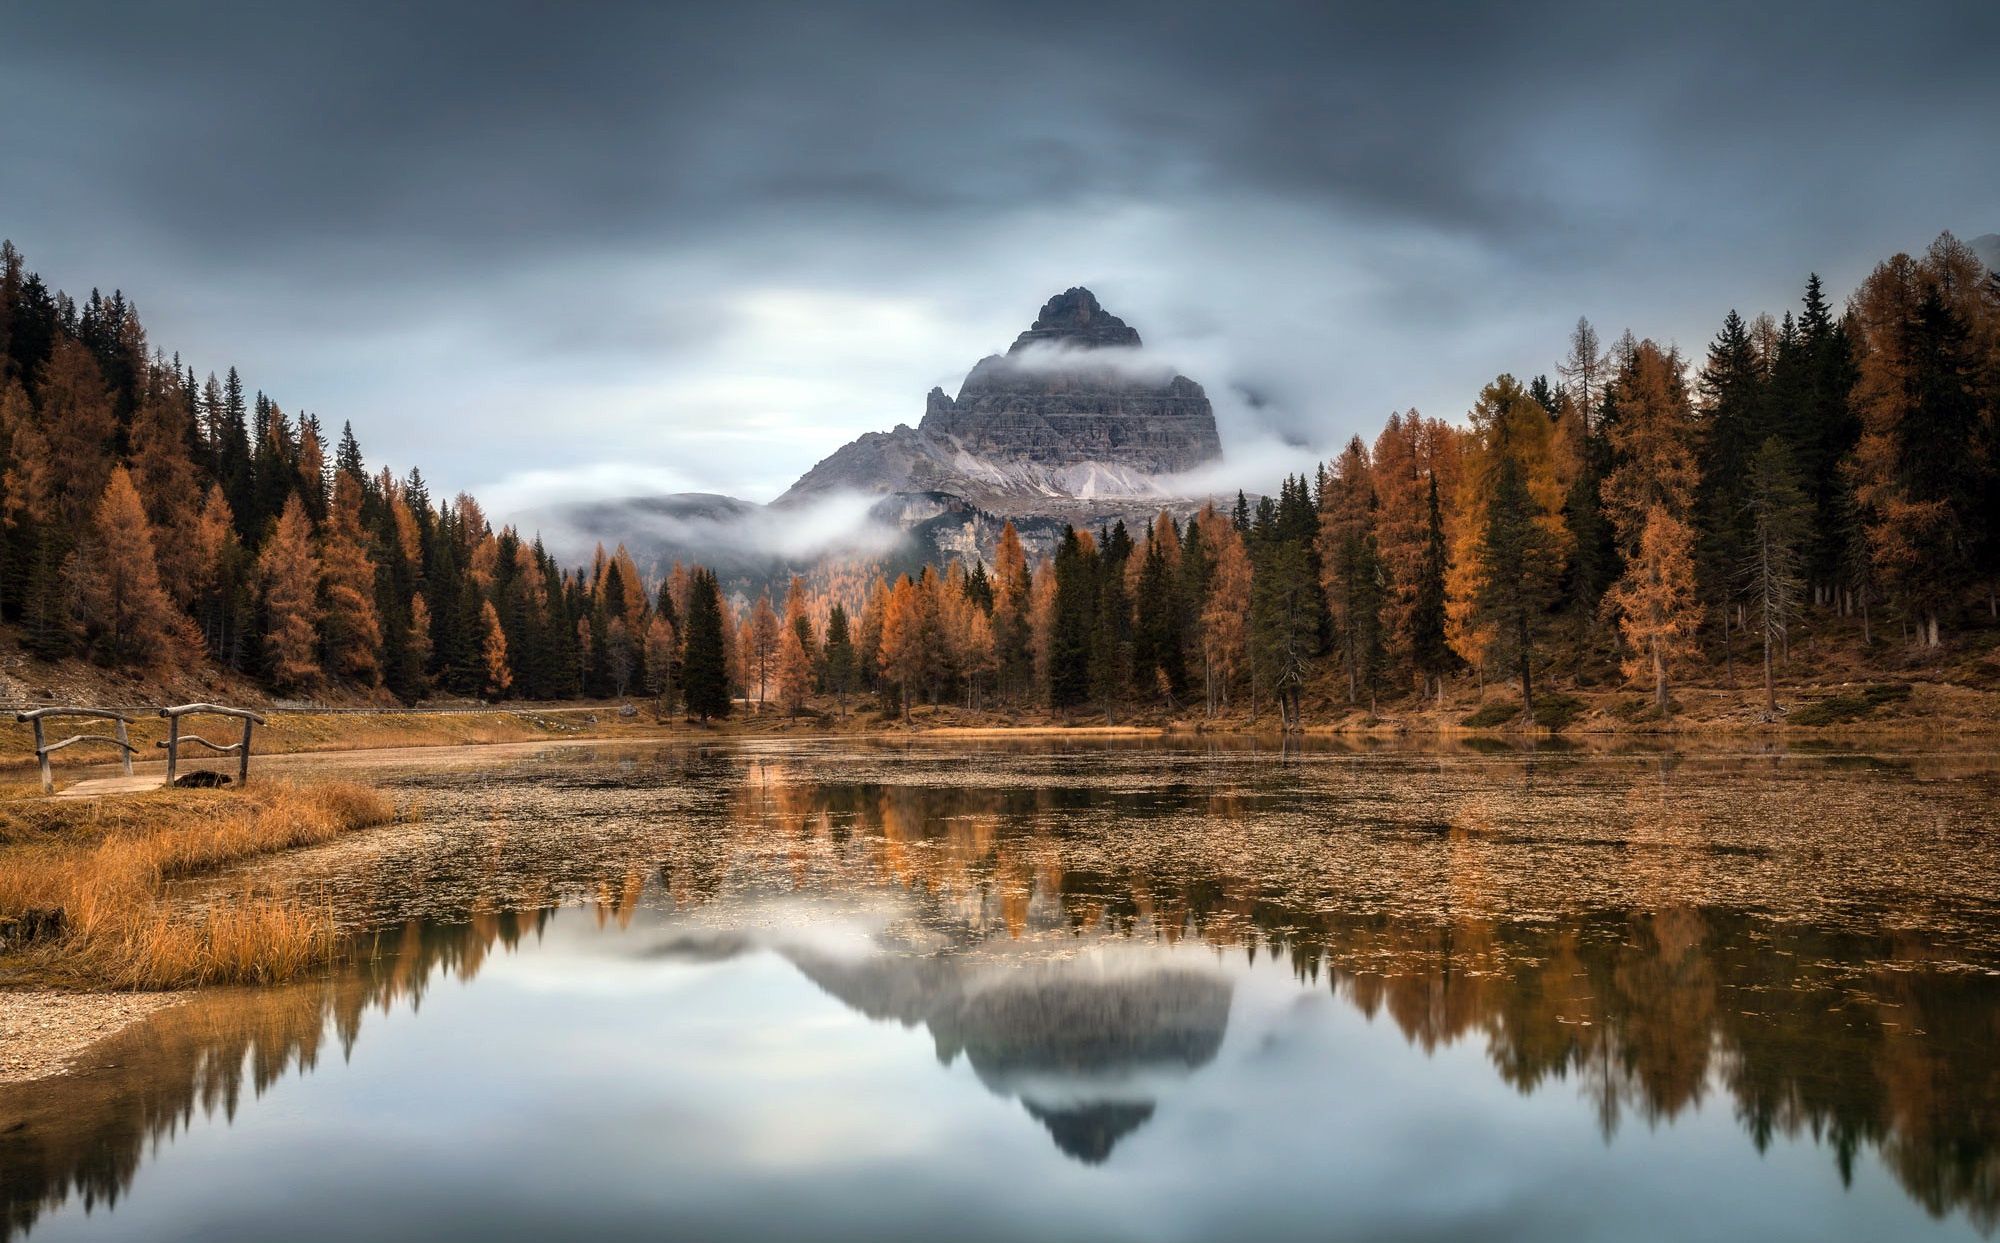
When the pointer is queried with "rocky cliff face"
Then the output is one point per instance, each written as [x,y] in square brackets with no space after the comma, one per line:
[1074,411]
[1075,423]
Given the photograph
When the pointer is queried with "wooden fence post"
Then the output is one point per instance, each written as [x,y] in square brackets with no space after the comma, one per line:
[48,777]
[124,746]
[243,761]
[173,749]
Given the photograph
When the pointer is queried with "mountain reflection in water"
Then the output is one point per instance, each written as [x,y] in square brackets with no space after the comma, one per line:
[1078,935]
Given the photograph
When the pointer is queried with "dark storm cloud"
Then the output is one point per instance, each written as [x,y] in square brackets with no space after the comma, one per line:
[378,201]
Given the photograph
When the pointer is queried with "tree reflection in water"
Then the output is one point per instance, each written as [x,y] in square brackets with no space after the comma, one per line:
[1648,933]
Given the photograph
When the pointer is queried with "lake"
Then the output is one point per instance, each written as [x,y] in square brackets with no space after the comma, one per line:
[1062,990]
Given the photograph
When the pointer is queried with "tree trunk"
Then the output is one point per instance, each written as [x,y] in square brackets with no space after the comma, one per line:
[1770,685]
[1867,631]
[1728,656]
[1527,674]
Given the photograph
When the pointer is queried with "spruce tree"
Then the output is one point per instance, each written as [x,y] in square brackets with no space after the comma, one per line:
[1521,563]
[1430,651]
[839,663]
[1073,622]
[1111,646]
[704,657]
[1779,513]
[1285,604]
[1158,627]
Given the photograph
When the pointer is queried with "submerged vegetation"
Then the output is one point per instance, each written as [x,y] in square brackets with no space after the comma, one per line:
[86,886]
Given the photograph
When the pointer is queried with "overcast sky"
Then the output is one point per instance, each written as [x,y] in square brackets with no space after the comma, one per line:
[600,249]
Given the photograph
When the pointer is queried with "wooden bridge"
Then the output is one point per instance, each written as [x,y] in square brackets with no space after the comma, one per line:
[121,738]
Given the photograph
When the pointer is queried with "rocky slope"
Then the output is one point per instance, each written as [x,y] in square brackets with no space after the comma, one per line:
[1074,414]
[1075,423]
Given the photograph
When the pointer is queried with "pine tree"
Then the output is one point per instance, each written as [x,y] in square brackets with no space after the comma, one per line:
[416,681]
[1158,624]
[18,509]
[1224,625]
[1914,478]
[1733,425]
[124,614]
[704,658]
[218,563]
[1656,601]
[868,645]
[76,417]
[1779,513]
[796,651]
[1521,561]
[761,633]
[840,658]
[499,674]
[351,629]
[1284,629]
[1508,427]
[290,572]
[1351,567]
[1072,621]
[1650,498]
[1012,634]
[1430,651]
[1822,427]
[1111,657]
[662,662]
[162,428]
[904,641]
[1582,372]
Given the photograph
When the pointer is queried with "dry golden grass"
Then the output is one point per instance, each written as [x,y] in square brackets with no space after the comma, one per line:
[85,882]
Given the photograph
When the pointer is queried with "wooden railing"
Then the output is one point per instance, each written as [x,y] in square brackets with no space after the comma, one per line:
[43,747]
[240,749]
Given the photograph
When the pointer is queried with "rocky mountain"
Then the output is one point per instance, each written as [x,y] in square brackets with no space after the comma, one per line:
[1072,416]
[1075,423]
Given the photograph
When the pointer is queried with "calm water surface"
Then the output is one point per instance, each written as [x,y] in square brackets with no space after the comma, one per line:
[855,991]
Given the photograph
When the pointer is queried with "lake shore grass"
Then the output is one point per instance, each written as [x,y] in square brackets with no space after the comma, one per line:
[86,885]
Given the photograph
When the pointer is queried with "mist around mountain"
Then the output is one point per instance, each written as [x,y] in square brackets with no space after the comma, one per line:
[1076,423]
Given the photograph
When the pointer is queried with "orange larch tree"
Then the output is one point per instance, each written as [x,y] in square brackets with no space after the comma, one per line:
[493,652]
[290,570]
[1649,498]
[162,428]
[348,622]
[125,616]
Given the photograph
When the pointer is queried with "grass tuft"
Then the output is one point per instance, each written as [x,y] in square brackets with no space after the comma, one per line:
[83,883]
[1851,706]
[1557,712]
[1492,713]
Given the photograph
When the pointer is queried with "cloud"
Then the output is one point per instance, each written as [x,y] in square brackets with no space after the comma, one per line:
[723,240]
[1038,358]
[725,533]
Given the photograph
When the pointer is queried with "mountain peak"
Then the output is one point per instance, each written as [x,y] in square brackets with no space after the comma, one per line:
[1075,317]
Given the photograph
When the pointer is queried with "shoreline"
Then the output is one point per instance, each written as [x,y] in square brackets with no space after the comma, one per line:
[46,1032]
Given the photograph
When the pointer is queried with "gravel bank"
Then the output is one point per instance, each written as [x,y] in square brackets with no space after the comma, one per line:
[42,1033]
